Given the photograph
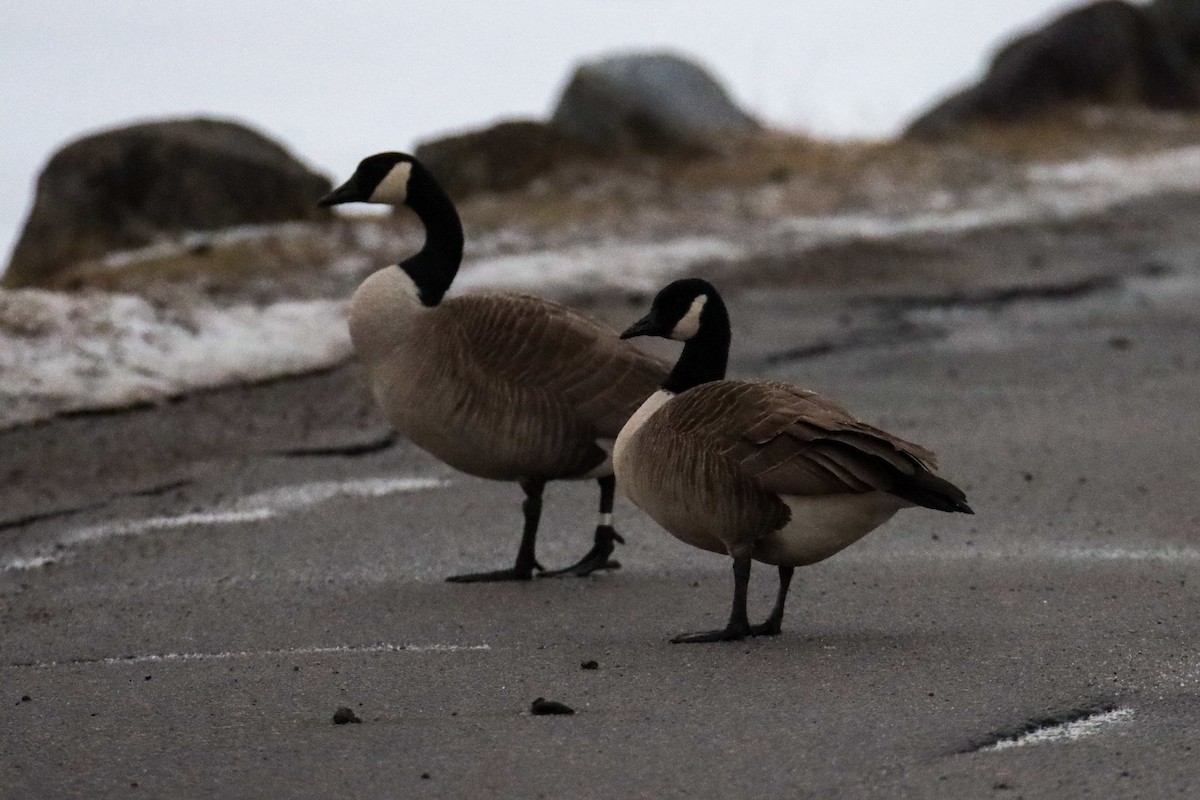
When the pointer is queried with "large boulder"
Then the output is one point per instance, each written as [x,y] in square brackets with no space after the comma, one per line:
[1180,20]
[654,102]
[129,187]
[1108,53]
[505,156]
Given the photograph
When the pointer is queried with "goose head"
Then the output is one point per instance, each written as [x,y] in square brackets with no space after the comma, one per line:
[389,178]
[397,179]
[689,311]
[678,312]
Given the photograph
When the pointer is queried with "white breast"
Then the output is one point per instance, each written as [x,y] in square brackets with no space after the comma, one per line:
[646,410]
[381,311]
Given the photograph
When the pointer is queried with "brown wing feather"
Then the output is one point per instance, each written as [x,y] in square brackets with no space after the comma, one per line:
[794,442]
[569,361]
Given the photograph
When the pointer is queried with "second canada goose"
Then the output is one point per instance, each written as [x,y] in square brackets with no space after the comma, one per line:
[758,470]
[501,386]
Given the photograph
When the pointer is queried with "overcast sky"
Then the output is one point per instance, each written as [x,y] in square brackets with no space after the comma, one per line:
[339,80]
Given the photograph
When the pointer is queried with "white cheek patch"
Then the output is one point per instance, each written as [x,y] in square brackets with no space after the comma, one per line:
[687,327]
[393,189]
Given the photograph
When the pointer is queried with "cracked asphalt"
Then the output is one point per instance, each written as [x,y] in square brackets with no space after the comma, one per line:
[193,589]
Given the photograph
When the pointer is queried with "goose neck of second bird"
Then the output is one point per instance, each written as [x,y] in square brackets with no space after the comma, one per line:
[706,354]
[433,269]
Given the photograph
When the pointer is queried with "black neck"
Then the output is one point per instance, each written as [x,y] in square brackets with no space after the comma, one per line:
[433,269]
[706,354]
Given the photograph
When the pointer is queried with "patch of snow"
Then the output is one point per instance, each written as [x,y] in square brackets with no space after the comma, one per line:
[1114,178]
[643,266]
[1051,192]
[63,352]
[68,352]
[1055,192]
[817,231]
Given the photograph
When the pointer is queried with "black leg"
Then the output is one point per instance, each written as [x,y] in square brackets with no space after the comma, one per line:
[774,623]
[738,626]
[526,561]
[606,537]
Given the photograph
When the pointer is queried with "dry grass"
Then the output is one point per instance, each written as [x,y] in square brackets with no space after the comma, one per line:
[766,176]
[775,158]
[542,209]
[1079,133]
[1083,132]
[813,176]
[217,267]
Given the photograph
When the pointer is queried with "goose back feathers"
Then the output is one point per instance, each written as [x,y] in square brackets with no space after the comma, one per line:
[502,386]
[770,470]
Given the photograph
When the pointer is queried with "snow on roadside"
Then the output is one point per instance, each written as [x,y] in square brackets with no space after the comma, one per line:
[69,352]
[65,352]
[1051,192]
[1055,192]
[639,266]
[1104,180]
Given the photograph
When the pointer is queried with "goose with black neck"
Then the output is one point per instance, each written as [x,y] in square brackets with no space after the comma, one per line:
[502,386]
[758,470]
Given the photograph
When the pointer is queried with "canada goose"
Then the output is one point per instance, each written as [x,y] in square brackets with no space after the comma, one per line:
[502,386]
[758,470]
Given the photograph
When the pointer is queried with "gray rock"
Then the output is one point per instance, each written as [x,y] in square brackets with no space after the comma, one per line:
[500,158]
[654,102]
[1180,20]
[129,187]
[1107,53]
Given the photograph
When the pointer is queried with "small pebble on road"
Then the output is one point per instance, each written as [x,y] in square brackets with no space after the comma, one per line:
[542,706]
[344,715]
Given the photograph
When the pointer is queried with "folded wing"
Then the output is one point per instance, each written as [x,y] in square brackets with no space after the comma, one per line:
[557,356]
[794,442]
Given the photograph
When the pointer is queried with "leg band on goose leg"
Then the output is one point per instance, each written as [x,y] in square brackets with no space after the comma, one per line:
[605,542]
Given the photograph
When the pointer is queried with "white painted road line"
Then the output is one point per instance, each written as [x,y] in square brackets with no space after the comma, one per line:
[1047,553]
[1067,731]
[233,655]
[264,505]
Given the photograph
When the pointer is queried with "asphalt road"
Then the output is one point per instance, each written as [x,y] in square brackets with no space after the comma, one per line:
[219,574]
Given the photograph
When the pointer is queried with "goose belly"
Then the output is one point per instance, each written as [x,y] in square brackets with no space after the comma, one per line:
[684,489]
[488,434]
[679,514]
[822,526]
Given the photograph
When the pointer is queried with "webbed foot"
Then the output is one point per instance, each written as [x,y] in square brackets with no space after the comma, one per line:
[596,559]
[771,627]
[517,573]
[730,633]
